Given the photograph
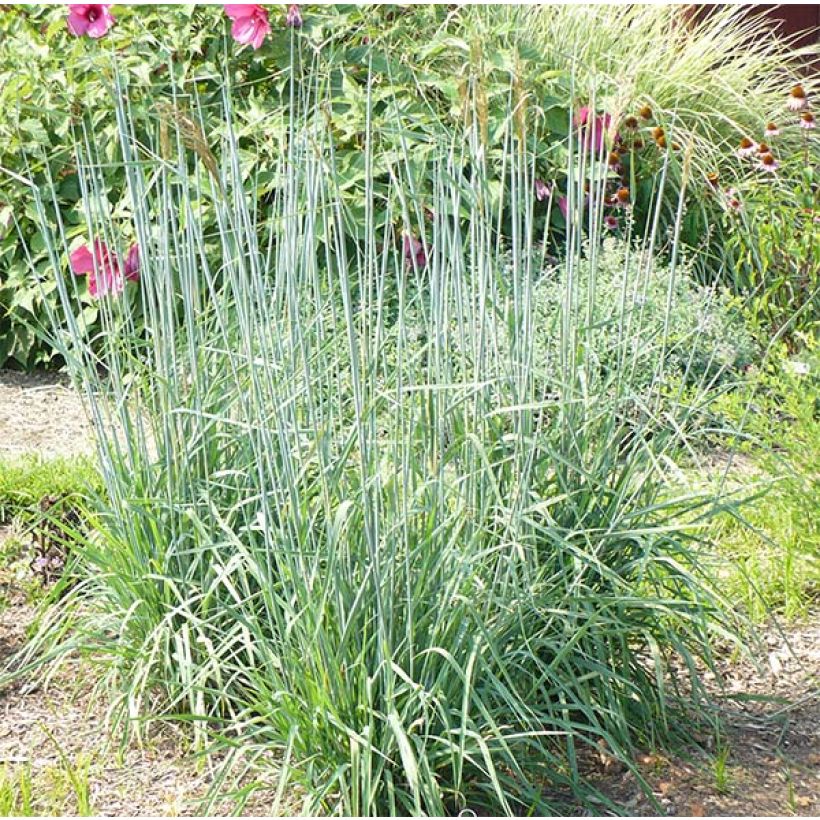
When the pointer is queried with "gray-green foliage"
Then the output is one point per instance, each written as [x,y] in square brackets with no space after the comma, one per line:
[657,320]
[348,517]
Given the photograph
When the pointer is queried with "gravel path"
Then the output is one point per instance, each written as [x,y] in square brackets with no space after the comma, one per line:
[40,413]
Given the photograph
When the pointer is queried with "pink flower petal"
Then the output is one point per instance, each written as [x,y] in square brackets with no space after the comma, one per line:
[563,205]
[93,19]
[262,30]
[97,28]
[237,10]
[132,263]
[249,31]
[77,24]
[108,280]
[81,261]
[250,23]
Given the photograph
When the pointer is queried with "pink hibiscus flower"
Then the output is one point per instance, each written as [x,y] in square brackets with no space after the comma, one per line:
[593,129]
[414,253]
[93,19]
[250,23]
[105,274]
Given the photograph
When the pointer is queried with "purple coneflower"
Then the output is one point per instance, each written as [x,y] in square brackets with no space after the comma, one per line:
[746,148]
[807,120]
[797,99]
[610,223]
[771,130]
[731,200]
[768,163]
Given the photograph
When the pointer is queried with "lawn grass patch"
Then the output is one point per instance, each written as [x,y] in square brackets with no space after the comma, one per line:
[26,480]
[772,543]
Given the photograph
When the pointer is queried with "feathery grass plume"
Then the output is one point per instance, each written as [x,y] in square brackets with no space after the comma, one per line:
[350,517]
[191,134]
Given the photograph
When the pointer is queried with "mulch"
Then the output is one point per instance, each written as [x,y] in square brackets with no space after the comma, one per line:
[770,712]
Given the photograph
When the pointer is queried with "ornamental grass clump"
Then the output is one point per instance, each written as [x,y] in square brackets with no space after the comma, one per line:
[353,514]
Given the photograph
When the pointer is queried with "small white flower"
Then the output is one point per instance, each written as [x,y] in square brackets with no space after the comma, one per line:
[797,368]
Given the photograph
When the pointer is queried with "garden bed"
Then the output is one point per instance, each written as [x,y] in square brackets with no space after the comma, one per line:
[454,410]
[769,763]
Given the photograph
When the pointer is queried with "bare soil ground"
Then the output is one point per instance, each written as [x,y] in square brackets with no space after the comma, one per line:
[40,413]
[768,763]
[769,766]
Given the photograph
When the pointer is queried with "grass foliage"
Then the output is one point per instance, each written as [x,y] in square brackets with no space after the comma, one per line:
[773,542]
[350,516]
[684,331]
[25,481]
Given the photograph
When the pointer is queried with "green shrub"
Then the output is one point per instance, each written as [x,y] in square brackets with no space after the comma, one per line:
[428,63]
[26,481]
[774,245]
